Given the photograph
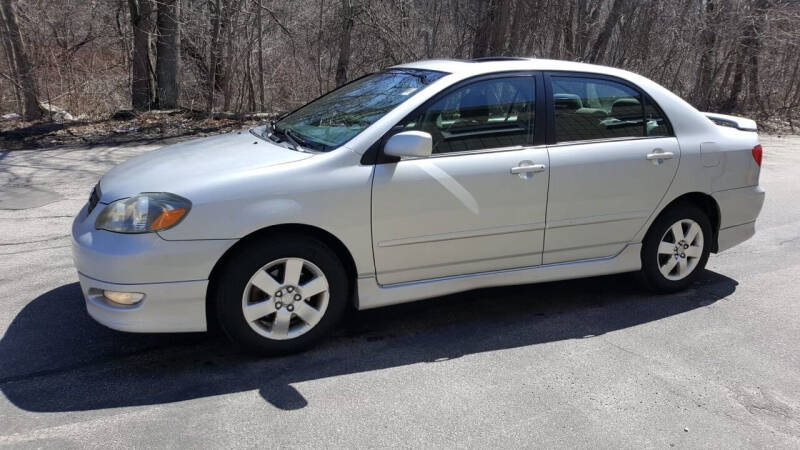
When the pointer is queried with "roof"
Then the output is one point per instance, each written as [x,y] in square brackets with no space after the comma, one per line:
[504,64]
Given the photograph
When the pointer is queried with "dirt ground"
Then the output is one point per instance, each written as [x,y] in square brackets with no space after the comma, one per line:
[146,128]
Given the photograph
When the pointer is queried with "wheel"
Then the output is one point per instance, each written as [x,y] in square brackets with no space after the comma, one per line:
[676,248]
[281,295]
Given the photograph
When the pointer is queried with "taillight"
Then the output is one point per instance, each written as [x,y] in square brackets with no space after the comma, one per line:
[757,154]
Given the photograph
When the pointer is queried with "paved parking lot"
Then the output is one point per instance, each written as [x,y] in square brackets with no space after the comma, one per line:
[588,363]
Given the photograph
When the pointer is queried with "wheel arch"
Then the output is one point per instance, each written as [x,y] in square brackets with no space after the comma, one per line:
[273,231]
[707,204]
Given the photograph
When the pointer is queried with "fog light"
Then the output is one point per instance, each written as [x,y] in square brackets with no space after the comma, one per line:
[123,298]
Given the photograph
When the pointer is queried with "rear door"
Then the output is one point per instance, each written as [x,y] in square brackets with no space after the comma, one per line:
[612,159]
[478,203]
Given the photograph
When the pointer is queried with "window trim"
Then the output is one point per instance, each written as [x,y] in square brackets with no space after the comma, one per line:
[535,138]
[515,148]
[614,139]
[550,107]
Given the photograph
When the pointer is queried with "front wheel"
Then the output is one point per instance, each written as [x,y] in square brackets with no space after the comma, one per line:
[676,248]
[281,295]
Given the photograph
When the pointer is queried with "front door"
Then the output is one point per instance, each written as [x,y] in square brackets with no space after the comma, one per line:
[478,203]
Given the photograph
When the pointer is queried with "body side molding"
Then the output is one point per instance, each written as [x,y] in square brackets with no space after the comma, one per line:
[372,295]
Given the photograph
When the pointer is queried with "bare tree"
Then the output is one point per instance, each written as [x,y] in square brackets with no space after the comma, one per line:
[482,41]
[168,54]
[708,41]
[12,66]
[216,22]
[347,18]
[753,50]
[18,58]
[600,44]
[274,55]
[747,59]
[499,28]
[141,68]
[260,32]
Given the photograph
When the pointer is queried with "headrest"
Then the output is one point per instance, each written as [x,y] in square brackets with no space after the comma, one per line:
[626,107]
[571,102]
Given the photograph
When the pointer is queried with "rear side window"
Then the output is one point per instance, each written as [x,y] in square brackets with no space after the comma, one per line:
[589,108]
[482,115]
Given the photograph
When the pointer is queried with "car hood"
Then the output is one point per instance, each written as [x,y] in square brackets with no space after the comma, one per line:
[181,168]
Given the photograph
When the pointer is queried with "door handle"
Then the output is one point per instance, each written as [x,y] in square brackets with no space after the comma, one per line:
[656,155]
[528,168]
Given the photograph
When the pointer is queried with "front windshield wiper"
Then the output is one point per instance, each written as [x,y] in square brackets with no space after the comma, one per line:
[271,132]
[287,134]
[276,133]
[297,139]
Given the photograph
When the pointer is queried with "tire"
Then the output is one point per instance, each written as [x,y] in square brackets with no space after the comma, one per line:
[676,265]
[282,316]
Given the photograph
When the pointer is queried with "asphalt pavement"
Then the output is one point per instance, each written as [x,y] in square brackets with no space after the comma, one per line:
[594,363]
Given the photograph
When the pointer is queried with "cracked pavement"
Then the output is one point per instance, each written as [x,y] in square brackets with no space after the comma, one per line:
[577,364]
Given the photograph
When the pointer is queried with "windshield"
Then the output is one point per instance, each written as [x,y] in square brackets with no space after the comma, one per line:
[336,117]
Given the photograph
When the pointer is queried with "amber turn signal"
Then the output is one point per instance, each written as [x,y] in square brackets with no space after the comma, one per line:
[168,218]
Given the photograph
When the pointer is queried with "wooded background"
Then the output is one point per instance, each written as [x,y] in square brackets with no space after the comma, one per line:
[95,57]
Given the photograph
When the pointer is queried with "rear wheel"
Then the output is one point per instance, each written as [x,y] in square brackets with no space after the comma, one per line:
[281,295]
[676,248]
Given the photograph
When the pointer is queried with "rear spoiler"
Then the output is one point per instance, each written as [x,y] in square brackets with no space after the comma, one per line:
[740,123]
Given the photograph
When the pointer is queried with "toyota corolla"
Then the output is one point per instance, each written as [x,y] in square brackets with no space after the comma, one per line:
[424,179]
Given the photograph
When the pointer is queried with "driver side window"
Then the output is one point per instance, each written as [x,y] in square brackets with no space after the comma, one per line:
[487,114]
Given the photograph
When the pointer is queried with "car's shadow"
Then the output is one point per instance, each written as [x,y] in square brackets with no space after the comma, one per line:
[54,357]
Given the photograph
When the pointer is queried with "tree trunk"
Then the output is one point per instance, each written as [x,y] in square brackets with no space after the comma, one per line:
[753,48]
[497,43]
[141,68]
[260,25]
[212,65]
[12,80]
[732,103]
[599,47]
[490,37]
[516,30]
[705,73]
[22,69]
[168,54]
[342,64]
[232,8]
[480,43]
[587,16]
[569,41]
[747,60]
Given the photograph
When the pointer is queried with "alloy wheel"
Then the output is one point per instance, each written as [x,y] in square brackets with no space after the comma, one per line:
[286,298]
[680,249]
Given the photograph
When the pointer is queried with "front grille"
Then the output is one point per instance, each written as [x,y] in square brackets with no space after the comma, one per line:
[94,198]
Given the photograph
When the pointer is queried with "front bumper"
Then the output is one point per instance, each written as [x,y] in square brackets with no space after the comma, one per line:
[172,275]
[166,307]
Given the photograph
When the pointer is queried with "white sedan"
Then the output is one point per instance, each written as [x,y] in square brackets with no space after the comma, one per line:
[424,179]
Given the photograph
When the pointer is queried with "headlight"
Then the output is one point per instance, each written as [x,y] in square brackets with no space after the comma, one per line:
[143,213]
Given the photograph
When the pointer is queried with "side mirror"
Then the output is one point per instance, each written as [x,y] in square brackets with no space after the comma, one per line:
[413,144]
